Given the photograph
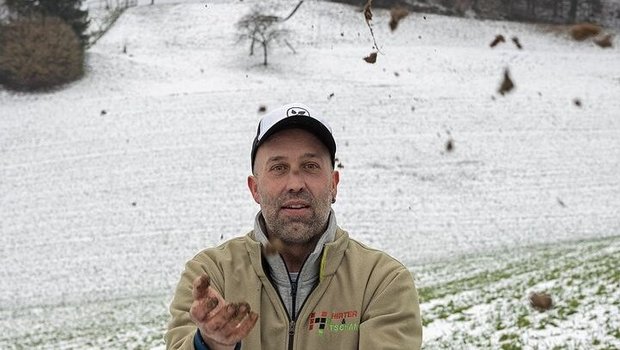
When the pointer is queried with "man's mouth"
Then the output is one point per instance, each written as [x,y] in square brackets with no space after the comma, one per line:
[295,206]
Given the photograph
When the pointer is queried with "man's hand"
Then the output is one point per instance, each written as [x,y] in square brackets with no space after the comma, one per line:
[221,324]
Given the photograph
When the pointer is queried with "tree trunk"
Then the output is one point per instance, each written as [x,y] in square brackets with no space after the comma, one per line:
[264,53]
[572,11]
[475,7]
[509,6]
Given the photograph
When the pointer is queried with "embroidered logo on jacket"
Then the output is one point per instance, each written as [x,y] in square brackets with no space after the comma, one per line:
[340,321]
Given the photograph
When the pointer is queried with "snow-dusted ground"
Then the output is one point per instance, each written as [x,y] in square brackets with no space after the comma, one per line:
[108,186]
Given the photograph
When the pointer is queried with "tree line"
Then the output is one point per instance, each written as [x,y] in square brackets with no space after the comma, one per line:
[553,11]
[605,12]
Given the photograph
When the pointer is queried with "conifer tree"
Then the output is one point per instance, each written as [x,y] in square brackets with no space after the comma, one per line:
[69,11]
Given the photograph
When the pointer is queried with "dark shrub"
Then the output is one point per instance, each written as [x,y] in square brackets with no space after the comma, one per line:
[39,53]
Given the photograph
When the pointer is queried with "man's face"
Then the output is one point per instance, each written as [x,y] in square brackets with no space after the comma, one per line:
[294,183]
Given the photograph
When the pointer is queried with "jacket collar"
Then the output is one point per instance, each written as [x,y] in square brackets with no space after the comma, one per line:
[311,267]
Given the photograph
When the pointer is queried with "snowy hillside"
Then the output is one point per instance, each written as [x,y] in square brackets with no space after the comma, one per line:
[108,186]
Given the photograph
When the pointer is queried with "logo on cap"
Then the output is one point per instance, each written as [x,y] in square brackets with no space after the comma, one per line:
[297,111]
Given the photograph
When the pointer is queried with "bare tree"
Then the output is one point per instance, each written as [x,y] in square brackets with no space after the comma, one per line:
[263,29]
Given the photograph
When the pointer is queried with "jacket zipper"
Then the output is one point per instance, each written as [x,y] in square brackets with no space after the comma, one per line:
[291,325]
[291,334]
[294,299]
[293,318]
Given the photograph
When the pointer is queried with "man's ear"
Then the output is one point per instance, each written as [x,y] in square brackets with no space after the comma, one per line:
[335,180]
[253,186]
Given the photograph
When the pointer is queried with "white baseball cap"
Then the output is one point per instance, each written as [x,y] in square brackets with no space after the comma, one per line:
[290,116]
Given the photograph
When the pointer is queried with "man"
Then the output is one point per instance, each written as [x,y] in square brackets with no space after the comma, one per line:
[296,281]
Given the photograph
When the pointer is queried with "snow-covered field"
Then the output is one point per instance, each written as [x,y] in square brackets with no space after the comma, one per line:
[109,185]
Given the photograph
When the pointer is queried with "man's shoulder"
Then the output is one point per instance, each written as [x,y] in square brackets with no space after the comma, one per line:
[226,249]
[371,256]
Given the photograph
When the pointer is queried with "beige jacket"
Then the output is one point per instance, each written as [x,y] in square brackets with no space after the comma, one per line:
[364,299]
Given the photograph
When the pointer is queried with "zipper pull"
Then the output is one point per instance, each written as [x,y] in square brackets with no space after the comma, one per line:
[291,335]
[294,289]
[291,329]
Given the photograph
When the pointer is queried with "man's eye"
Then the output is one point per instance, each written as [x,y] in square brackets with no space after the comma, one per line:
[312,166]
[278,167]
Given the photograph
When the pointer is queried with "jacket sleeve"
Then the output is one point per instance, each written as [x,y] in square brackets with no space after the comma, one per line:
[181,331]
[199,343]
[392,319]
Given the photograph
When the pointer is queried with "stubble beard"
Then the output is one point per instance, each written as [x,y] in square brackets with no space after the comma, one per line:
[298,230]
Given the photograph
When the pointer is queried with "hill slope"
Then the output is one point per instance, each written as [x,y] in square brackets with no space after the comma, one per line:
[111,184]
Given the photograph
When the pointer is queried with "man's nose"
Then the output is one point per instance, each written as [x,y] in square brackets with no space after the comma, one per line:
[296,181]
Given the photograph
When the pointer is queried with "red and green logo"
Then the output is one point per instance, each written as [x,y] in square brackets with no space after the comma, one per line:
[340,321]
